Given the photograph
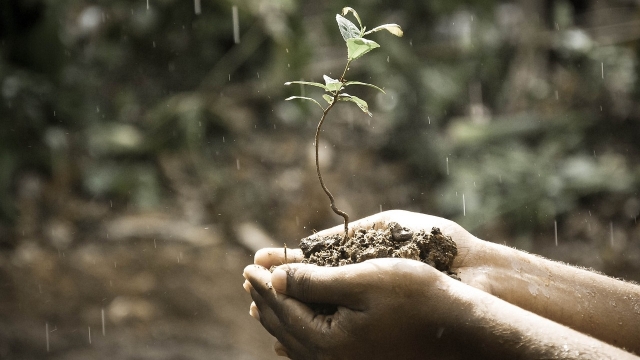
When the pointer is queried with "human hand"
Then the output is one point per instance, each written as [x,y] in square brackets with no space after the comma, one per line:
[384,309]
[474,255]
[508,274]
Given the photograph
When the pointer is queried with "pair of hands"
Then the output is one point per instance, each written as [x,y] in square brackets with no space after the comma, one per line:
[386,308]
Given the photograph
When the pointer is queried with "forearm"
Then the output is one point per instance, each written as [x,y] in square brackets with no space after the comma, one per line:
[594,304]
[495,329]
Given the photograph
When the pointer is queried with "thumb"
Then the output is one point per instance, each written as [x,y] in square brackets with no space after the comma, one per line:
[319,284]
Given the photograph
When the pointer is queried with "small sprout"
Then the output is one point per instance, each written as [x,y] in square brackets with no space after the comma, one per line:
[357,46]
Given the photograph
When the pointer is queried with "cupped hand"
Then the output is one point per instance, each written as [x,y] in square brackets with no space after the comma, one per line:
[384,309]
[474,255]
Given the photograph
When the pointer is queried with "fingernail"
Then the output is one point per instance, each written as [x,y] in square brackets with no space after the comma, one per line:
[247,286]
[253,311]
[281,352]
[279,280]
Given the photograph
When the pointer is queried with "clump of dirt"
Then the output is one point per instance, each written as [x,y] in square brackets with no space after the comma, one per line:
[394,241]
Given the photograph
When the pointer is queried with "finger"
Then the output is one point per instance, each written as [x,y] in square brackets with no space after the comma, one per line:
[253,310]
[283,328]
[269,257]
[323,285]
[280,349]
[247,286]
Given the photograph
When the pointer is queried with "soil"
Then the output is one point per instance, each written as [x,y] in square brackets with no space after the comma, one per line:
[393,241]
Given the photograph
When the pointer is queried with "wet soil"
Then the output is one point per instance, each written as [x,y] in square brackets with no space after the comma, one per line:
[393,241]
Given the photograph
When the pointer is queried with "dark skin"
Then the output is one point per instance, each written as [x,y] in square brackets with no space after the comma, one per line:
[398,308]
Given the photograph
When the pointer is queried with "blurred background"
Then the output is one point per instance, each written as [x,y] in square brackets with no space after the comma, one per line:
[146,151]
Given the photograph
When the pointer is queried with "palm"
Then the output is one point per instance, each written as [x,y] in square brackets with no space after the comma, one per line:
[469,258]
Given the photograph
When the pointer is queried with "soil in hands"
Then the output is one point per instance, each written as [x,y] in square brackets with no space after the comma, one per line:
[393,241]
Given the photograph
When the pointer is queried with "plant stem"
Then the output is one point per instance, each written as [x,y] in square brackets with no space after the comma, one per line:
[335,209]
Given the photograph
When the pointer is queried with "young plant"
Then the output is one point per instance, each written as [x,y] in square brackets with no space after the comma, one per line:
[357,46]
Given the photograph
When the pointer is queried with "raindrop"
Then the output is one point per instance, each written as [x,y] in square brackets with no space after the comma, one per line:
[46,331]
[557,96]
[238,164]
[428,118]
[387,59]
[147,5]
[229,77]
[258,75]
[464,207]
[297,221]
[89,335]
[196,6]
[54,113]
[154,244]
[602,69]
[223,139]
[97,109]
[380,207]
[154,44]
[611,231]
[555,230]
[103,330]
[236,24]
[447,166]
[287,49]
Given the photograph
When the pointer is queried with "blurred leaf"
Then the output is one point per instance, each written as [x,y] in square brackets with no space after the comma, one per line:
[392,28]
[362,83]
[347,28]
[358,46]
[332,85]
[305,98]
[354,99]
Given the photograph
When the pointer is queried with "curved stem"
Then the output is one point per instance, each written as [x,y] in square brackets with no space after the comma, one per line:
[335,209]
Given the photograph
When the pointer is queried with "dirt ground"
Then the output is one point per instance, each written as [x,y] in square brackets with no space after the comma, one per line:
[128,300]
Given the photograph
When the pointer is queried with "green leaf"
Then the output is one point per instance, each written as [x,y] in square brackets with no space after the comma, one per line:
[354,99]
[347,28]
[305,98]
[347,10]
[332,85]
[362,83]
[328,98]
[307,83]
[392,28]
[356,47]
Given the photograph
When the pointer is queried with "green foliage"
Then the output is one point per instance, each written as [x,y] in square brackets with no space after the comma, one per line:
[357,46]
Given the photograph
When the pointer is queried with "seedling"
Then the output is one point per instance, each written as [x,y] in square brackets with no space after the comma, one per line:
[357,46]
